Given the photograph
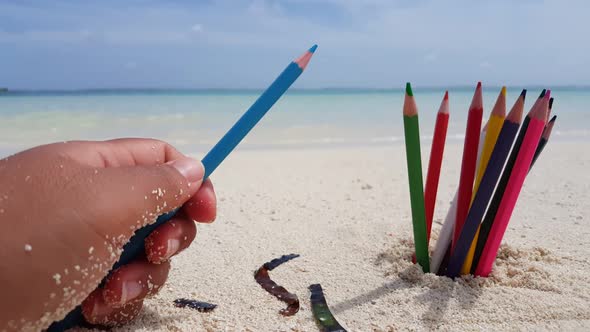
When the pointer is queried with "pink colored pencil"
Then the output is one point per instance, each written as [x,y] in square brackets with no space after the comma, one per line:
[531,139]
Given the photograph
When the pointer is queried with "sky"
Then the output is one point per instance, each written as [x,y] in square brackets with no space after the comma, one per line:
[61,44]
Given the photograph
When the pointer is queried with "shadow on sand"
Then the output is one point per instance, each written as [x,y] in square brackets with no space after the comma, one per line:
[436,291]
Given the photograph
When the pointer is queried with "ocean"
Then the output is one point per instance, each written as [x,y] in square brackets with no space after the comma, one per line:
[193,120]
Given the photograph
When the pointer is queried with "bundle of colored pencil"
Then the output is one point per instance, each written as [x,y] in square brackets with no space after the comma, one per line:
[494,166]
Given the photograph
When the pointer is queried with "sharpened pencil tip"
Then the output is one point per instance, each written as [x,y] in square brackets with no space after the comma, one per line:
[499,109]
[444,105]
[549,128]
[542,94]
[551,103]
[515,114]
[410,108]
[477,101]
[303,60]
[409,89]
[540,110]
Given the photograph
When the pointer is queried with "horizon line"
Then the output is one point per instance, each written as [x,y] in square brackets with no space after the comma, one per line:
[6,90]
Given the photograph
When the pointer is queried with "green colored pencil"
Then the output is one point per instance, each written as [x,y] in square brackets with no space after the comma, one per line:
[412,134]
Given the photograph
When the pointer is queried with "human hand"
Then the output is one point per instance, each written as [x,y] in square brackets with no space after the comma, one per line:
[67,209]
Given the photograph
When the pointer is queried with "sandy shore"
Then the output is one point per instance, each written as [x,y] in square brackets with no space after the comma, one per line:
[347,212]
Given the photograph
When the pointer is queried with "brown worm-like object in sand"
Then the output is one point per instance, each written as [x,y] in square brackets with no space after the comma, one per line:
[279,292]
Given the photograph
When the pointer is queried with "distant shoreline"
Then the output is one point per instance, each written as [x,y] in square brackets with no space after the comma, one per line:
[100,91]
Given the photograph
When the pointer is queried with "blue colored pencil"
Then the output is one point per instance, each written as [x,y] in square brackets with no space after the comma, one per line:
[216,155]
[231,139]
[486,187]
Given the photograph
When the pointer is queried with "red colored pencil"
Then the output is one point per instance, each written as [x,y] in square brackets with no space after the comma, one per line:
[436,155]
[522,165]
[469,161]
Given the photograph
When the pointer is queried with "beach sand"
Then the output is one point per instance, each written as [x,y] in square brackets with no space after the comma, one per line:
[346,211]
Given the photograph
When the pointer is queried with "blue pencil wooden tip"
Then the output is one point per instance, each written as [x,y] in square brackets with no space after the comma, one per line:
[313,48]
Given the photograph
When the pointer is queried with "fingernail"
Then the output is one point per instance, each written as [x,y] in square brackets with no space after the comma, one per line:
[173,246]
[100,309]
[131,290]
[191,169]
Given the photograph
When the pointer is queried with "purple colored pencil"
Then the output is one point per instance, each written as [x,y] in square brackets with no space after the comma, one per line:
[486,187]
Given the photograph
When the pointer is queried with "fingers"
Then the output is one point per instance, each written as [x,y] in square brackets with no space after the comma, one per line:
[133,282]
[120,152]
[132,197]
[169,239]
[141,151]
[202,207]
[176,235]
[97,312]
[121,298]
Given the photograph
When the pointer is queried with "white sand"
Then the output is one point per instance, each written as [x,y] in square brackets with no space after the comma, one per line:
[347,212]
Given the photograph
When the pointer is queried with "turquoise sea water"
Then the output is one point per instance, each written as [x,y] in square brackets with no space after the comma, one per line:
[195,120]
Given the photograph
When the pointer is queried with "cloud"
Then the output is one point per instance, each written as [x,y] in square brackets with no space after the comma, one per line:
[57,36]
[377,42]
[149,36]
[197,28]
[430,57]
[130,65]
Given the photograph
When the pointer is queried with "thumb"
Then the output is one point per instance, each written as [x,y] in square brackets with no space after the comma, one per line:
[128,198]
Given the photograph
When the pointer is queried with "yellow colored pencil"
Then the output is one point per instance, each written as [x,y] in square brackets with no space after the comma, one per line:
[495,123]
